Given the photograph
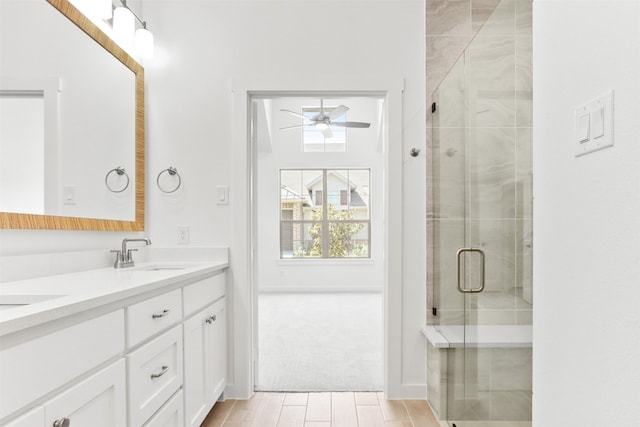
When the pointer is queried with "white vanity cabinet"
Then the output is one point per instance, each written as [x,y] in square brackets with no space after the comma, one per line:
[156,359]
[36,368]
[205,349]
[98,401]
[171,415]
[35,417]
[154,374]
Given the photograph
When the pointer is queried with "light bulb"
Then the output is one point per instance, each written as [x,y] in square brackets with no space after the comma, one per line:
[104,9]
[143,44]
[124,26]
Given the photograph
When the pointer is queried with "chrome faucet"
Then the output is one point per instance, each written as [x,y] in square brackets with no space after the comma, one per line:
[123,256]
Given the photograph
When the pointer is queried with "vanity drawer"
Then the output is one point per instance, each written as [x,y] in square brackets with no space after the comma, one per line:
[149,317]
[203,293]
[39,366]
[154,374]
[171,414]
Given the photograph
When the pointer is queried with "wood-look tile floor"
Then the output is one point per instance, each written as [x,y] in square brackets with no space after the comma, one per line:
[331,409]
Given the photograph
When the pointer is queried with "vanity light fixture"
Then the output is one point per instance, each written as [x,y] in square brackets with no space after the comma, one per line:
[124,24]
[143,42]
[104,9]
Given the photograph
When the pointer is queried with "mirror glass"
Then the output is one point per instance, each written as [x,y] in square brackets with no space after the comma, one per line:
[71,137]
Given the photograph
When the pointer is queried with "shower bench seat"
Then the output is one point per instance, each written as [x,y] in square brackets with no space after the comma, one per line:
[495,358]
[478,336]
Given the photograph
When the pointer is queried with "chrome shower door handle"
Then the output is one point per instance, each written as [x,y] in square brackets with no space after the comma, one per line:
[459,255]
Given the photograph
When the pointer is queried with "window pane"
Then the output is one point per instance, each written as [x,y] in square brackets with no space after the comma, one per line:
[304,192]
[353,188]
[300,239]
[348,239]
[297,193]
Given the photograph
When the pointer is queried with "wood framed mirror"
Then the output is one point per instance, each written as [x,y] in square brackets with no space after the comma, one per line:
[97,130]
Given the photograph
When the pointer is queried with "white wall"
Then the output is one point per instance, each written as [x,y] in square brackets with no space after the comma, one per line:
[203,46]
[284,151]
[586,218]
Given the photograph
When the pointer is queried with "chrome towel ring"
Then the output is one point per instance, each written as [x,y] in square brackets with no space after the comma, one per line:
[172,172]
[120,171]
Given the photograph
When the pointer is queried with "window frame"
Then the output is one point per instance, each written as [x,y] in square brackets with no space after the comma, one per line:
[325,222]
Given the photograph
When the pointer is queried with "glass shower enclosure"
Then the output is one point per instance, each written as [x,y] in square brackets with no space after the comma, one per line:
[480,225]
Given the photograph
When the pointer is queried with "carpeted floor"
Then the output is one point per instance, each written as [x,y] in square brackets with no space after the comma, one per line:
[320,342]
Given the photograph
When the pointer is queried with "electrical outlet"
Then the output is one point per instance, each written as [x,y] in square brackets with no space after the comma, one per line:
[183,234]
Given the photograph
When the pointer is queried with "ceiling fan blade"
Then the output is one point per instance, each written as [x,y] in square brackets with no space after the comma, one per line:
[327,133]
[292,127]
[337,112]
[294,113]
[351,124]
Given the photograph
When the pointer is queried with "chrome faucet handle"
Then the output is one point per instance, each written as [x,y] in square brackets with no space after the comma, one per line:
[129,258]
[119,258]
[118,252]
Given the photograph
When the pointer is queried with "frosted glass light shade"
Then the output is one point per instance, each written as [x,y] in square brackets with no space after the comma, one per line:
[104,9]
[124,25]
[143,44]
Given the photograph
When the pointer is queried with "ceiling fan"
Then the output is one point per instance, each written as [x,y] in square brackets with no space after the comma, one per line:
[323,120]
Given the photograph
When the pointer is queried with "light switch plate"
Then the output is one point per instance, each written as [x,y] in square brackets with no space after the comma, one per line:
[584,125]
[69,194]
[222,195]
[600,133]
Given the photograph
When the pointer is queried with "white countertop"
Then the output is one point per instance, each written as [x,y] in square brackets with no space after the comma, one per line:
[86,290]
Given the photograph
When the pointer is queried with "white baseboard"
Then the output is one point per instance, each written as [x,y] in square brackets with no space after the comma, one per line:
[407,392]
[404,392]
[320,289]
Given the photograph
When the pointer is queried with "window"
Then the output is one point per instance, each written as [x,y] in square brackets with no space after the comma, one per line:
[314,140]
[324,213]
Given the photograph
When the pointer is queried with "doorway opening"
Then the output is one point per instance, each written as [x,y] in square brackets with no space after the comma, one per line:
[319,242]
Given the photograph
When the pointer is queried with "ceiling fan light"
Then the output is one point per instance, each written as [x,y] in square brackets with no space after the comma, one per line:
[321,126]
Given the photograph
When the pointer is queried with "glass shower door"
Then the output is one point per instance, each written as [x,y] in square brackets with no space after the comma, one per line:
[481,222]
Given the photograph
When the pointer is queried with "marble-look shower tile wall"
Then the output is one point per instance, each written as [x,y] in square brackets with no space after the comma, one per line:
[479,74]
[479,143]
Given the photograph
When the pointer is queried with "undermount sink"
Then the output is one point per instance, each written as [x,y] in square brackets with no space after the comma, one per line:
[8,302]
[160,268]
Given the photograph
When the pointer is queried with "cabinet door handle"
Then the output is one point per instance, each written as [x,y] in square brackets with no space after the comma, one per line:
[62,422]
[159,315]
[163,371]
